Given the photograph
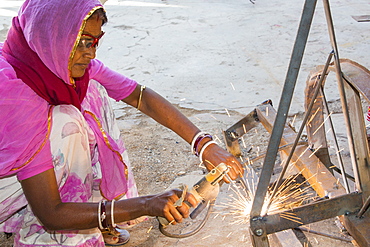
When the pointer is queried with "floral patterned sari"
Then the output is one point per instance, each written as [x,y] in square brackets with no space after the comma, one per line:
[77,169]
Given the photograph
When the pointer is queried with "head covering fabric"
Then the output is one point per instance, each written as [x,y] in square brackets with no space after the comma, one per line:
[48,49]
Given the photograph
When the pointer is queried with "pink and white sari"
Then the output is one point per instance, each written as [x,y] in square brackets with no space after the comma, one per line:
[46,122]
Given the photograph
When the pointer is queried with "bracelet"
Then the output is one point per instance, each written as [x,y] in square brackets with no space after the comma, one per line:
[197,139]
[112,214]
[142,88]
[194,139]
[204,148]
[102,216]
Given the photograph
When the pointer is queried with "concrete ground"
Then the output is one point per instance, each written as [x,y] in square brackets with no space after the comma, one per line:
[221,56]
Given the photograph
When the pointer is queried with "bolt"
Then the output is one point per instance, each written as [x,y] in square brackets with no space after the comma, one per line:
[259,232]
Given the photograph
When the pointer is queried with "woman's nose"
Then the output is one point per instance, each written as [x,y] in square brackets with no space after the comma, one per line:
[90,52]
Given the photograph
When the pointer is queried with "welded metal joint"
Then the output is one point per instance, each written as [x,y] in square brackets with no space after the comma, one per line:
[257,218]
[232,135]
[257,225]
[258,232]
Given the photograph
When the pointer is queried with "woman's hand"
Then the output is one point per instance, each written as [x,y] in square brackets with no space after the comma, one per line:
[213,155]
[163,205]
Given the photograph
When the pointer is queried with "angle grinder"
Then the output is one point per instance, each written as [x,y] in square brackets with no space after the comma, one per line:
[205,192]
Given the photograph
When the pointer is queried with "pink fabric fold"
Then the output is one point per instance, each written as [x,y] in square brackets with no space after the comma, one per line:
[34,75]
[114,177]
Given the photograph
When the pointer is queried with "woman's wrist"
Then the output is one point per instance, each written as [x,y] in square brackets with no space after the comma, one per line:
[145,205]
[198,141]
[204,147]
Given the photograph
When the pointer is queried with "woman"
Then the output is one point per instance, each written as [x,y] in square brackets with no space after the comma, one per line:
[62,164]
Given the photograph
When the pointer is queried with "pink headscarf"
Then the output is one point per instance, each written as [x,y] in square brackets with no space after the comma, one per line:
[40,57]
[48,49]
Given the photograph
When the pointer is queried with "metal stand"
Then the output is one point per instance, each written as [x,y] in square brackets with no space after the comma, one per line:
[351,207]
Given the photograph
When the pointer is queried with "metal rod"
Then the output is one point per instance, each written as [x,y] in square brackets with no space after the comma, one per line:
[341,166]
[284,105]
[346,204]
[364,207]
[306,116]
[280,149]
[342,93]
[323,234]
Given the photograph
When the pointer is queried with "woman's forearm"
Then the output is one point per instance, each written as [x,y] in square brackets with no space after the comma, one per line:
[158,108]
[43,196]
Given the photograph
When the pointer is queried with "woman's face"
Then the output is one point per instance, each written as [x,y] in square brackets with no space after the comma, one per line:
[85,52]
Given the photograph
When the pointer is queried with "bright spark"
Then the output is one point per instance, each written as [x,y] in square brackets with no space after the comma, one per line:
[322,124]
[227,112]
[232,85]
[217,139]
[317,149]
[289,195]
[292,122]
[313,116]
[245,146]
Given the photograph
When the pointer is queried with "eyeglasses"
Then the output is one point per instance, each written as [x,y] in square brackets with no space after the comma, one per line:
[87,41]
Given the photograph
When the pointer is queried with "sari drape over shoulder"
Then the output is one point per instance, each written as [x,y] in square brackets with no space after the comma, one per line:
[34,75]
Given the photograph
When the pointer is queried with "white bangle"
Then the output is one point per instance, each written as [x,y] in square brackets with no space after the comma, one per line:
[99,216]
[194,139]
[204,148]
[112,213]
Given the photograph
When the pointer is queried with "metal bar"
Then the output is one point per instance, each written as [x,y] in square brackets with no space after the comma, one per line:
[236,131]
[243,126]
[313,212]
[343,98]
[260,241]
[358,228]
[321,180]
[341,166]
[284,105]
[362,170]
[304,121]
[364,208]
[285,239]
[316,133]
[323,234]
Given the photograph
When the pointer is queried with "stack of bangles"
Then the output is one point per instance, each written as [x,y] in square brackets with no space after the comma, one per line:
[102,216]
[195,144]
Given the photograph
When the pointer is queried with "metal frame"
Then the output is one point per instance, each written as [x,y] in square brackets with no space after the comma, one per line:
[351,207]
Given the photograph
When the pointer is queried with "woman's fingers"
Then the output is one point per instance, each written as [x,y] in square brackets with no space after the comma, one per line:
[174,214]
[215,155]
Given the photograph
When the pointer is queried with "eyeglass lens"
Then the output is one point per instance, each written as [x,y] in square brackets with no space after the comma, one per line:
[88,41]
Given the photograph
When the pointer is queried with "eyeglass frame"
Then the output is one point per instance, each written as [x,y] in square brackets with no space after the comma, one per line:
[94,43]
